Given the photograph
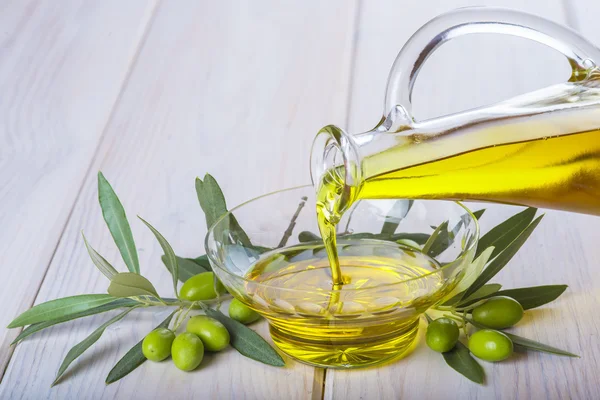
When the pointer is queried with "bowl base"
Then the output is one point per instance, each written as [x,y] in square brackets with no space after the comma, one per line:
[341,354]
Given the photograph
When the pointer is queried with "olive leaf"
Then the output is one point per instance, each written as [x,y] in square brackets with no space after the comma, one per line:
[420,238]
[187,268]
[398,211]
[213,204]
[293,253]
[460,359]
[169,257]
[127,284]
[473,271]
[536,346]
[116,220]
[306,236]
[485,291]
[478,214]
[133,358]
[503,258]
[442,238]
[531,297]
[59,308]
[505,233]
[33,328]
[525,343]
[86,343]
[438,241]
[202,261]
[465,218]
[211,199]
[248,342]
[104,266]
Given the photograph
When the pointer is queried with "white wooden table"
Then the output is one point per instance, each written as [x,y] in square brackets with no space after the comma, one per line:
[157,92]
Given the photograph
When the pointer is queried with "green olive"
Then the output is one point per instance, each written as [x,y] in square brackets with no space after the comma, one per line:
[201,287]
[213,334]
[442,335]
[242,313]
[498,312]
[187,351]
[156,346]
[490,345]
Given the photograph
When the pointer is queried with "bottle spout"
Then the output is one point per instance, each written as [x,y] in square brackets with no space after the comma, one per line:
[334,149]
[335,161]
[338,158]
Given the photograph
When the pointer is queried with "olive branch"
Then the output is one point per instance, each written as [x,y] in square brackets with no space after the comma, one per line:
[131,290]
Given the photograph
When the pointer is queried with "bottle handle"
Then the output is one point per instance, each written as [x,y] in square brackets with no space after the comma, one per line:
[464,21]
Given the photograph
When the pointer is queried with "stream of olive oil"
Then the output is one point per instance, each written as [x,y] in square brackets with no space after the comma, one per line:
[372,317]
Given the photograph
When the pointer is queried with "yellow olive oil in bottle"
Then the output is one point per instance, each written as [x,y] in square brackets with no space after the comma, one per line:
[541,149]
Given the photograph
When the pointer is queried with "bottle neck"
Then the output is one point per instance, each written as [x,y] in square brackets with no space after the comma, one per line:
[336,163]
[337,156]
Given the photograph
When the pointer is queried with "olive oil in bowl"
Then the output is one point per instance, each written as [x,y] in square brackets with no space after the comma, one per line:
[373,316]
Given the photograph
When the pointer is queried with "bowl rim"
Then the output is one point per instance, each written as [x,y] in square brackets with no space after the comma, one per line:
[217,263]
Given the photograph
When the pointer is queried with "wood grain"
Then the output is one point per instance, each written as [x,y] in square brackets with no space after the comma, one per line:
[156,95]
[235,91]
[474,71]
[61,70]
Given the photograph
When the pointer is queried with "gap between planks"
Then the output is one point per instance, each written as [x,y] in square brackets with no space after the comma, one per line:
[318,388]
[95,155]
[320,374]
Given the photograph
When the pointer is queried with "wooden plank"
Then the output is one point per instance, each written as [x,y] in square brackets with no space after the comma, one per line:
[238,91]
[474,71]
[61,70]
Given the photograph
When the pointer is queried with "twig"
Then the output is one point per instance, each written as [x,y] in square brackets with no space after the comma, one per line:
[290,229]
[462,322]
[181,318]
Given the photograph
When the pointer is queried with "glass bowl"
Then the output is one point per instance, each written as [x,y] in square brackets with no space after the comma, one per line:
[401,257]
